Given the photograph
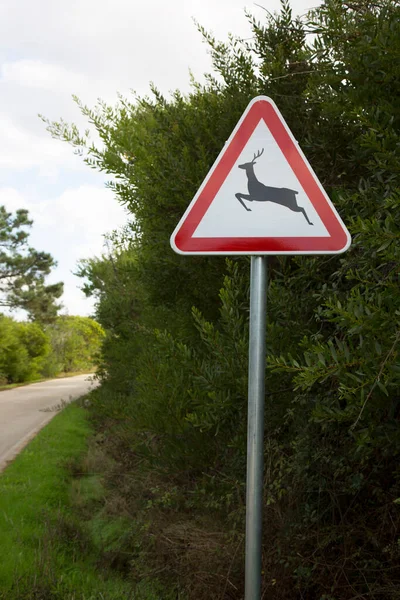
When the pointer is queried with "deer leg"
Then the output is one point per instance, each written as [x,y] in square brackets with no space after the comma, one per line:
[301,209]
[296,208]
[242,197]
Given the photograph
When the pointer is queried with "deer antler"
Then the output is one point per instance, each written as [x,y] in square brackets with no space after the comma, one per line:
[258,155]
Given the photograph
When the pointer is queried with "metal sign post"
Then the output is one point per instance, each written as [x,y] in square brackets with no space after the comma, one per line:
[255,428]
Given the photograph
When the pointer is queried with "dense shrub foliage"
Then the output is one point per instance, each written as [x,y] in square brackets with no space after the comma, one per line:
[30,351]
[175,355]
[75,344]
[24,348]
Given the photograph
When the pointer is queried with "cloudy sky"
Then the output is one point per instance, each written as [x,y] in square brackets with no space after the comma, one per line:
[51,49]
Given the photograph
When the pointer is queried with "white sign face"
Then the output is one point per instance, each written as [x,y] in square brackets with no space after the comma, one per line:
[226,216]
[261,196]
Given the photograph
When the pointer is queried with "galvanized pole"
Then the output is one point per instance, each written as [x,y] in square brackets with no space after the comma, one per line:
[255,428]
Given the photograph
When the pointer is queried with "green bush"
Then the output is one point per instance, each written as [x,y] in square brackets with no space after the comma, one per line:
[29,351]
[23,350]
[75,344]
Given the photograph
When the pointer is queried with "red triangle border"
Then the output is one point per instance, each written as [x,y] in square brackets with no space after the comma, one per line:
[258,109]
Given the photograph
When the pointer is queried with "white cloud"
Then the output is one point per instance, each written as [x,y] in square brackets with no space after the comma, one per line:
[70,226]
[12,199]
[76,303]
[36,73]
[21,149]
[92,48]
[85,213]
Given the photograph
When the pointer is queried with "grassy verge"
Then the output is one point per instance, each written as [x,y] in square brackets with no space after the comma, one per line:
[46,552]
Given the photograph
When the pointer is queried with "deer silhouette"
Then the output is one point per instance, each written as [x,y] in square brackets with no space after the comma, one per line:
[258,192]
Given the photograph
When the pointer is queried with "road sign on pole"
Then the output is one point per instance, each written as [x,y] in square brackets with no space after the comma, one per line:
[260,197]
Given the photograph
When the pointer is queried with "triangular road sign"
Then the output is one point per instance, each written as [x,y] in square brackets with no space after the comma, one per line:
[261,196]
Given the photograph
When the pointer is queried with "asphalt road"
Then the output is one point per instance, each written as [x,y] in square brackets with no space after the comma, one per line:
[25,410]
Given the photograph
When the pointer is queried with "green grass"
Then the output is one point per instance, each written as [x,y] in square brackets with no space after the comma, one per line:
[44,551]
